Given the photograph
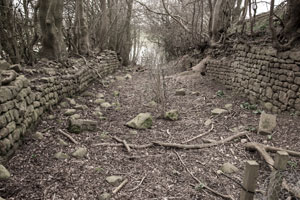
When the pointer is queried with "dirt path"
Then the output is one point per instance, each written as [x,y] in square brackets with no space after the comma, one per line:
[152,173]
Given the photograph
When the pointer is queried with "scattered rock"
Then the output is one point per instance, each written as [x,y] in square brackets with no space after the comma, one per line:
[218,111]
[98,114]
[79,125]
[128,76]
[180,92]
[99,101]
[116,93]
[4,173]
[75,116]
[87,94]
[228,106]
[51,117]
[195,93]
[80,152]
[114,180]
[229,168]
[4,65]
[120,78]
[268,106]
[100,96]
[104,196]
[172,115]
[71,101]
[141,121]
[105,105]
[104,136]
[62,142]
[80,107]
[267,123]
[208,122]
[61,156]
[38,136]
[64,104]
[133,132]
[69,112]
[152,104]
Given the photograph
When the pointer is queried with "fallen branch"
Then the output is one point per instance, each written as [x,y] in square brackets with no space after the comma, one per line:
[133,146]
[140,183]
[126,146]
[201,135]
[259,147]
[199,146]
[293,190]
[68,136]
[199,182]
[251,146]
[115,191]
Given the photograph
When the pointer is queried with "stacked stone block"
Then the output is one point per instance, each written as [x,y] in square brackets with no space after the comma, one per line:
[263,75]
[24,100]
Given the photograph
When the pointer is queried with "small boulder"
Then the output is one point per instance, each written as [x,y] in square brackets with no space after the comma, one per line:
[87,94]
[208,122]
[99,101]
[100,96]
[104,196]
[71,101]
[16,68]
[141,121]
[70,112]
[228,106]
[180,92]
[152,104]
[267,124]
[229,168]
[4,173]
[172,115]
[218,111]
[114,180]
[105,105]
[61,156]
[4,65]
[128,76]
[268,106]
[120,78]
[38,136]
[79,125]
[80,152]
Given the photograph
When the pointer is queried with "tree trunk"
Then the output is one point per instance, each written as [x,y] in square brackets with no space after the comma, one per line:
[81,29]
[127,42]
[7,31]
[102,40]
[292,22]
[217,24]
[51,17]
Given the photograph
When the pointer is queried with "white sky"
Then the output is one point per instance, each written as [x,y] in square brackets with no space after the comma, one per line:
[264,5]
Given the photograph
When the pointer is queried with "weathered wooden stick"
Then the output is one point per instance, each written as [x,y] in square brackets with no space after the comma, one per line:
[201,135]
[126,146]
[68,136]
[115,191]
[199,146]
[251,146]
[249,181]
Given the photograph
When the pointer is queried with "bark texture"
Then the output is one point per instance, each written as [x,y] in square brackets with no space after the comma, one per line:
[81,29]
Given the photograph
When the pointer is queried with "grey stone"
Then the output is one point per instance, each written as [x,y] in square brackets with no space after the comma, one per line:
[228,106]
[75,116]
[208,122]
[104,196]
[99,101]
[87,94]
[152,104]
[61,156]
[62,142]
[267,123]
[295,55]
[141,121]
[229,168]
[105,105]
[128,76]
[218,111]
[16,67]
[71,101]
[64,104]
[70,112]
[38,136]
[79,125]
[172,115]
[80,107]
[4,173]
[80,152]
[268,106]
[100,96]
[180,92]
[114,180]
[4,65]
[120,78]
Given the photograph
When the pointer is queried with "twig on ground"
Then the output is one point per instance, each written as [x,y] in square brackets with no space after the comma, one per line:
[126,146]
[201,135]
[199,146]
[199,182]
[252,146]
[140,183]
[133,146]
[68,136]
[115,191]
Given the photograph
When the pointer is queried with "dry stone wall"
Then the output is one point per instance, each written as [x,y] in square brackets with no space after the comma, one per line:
[31,93]
[261,74]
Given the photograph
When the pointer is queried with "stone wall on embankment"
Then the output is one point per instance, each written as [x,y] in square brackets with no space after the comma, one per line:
[34,90]
[261,74]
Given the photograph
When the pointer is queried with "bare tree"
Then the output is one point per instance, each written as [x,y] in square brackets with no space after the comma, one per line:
[81,29]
